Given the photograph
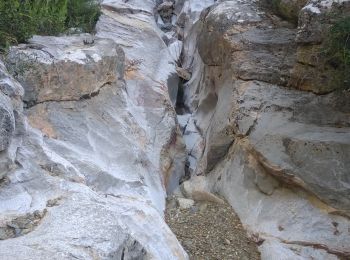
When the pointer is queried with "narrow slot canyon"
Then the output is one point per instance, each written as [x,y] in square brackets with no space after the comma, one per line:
[207,227]
[180,129]
[218,110]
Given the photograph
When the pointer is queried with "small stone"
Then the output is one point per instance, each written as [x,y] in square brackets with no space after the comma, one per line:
[183,73]
[185,203]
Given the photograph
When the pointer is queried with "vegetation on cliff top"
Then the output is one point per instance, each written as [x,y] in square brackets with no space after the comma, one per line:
[338,48]
[20,19]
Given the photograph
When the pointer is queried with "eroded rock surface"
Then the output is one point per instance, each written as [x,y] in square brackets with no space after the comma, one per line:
[278,155]
[100,148]
[86,167]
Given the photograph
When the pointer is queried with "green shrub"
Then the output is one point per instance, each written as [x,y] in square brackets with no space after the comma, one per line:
[83,14]
[20,19]
[339,45]
[49,16]
[16,23]
[337,48]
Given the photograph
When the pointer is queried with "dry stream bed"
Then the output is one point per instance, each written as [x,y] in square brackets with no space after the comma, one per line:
[210,231]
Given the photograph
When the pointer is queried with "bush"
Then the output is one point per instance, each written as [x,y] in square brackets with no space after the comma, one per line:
[49,16]
[16,24]
[339,45]
[20,19]
[83,14]
[337,48]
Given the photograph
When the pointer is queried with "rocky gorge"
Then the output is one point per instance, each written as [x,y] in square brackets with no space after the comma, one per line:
[200,99]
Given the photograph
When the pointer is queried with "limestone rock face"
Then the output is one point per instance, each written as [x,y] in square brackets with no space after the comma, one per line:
[7,122]
[99,147]
[11,118]
[278,155]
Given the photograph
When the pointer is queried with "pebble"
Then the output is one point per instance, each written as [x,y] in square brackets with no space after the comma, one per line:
[211,231]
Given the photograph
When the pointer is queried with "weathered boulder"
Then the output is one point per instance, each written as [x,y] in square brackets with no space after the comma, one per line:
[45,67]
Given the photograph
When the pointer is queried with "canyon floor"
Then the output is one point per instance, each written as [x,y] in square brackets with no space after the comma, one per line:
[210,231]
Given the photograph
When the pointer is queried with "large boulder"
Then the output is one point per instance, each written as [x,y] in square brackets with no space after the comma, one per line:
[45,67]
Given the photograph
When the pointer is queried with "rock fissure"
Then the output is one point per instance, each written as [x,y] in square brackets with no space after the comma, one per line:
[91,95]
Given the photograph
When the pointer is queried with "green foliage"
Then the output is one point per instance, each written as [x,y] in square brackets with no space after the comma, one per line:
[337,48]
[339,45]
[16,23]
[49,16]
[20,19]
[83,14]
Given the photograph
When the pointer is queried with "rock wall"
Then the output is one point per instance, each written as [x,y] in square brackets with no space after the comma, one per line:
[86,166]
[278,155]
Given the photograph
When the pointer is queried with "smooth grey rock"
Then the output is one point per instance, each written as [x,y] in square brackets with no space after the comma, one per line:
[7,122]
[11,119]
[278,128]
[270,248]
[293,217]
